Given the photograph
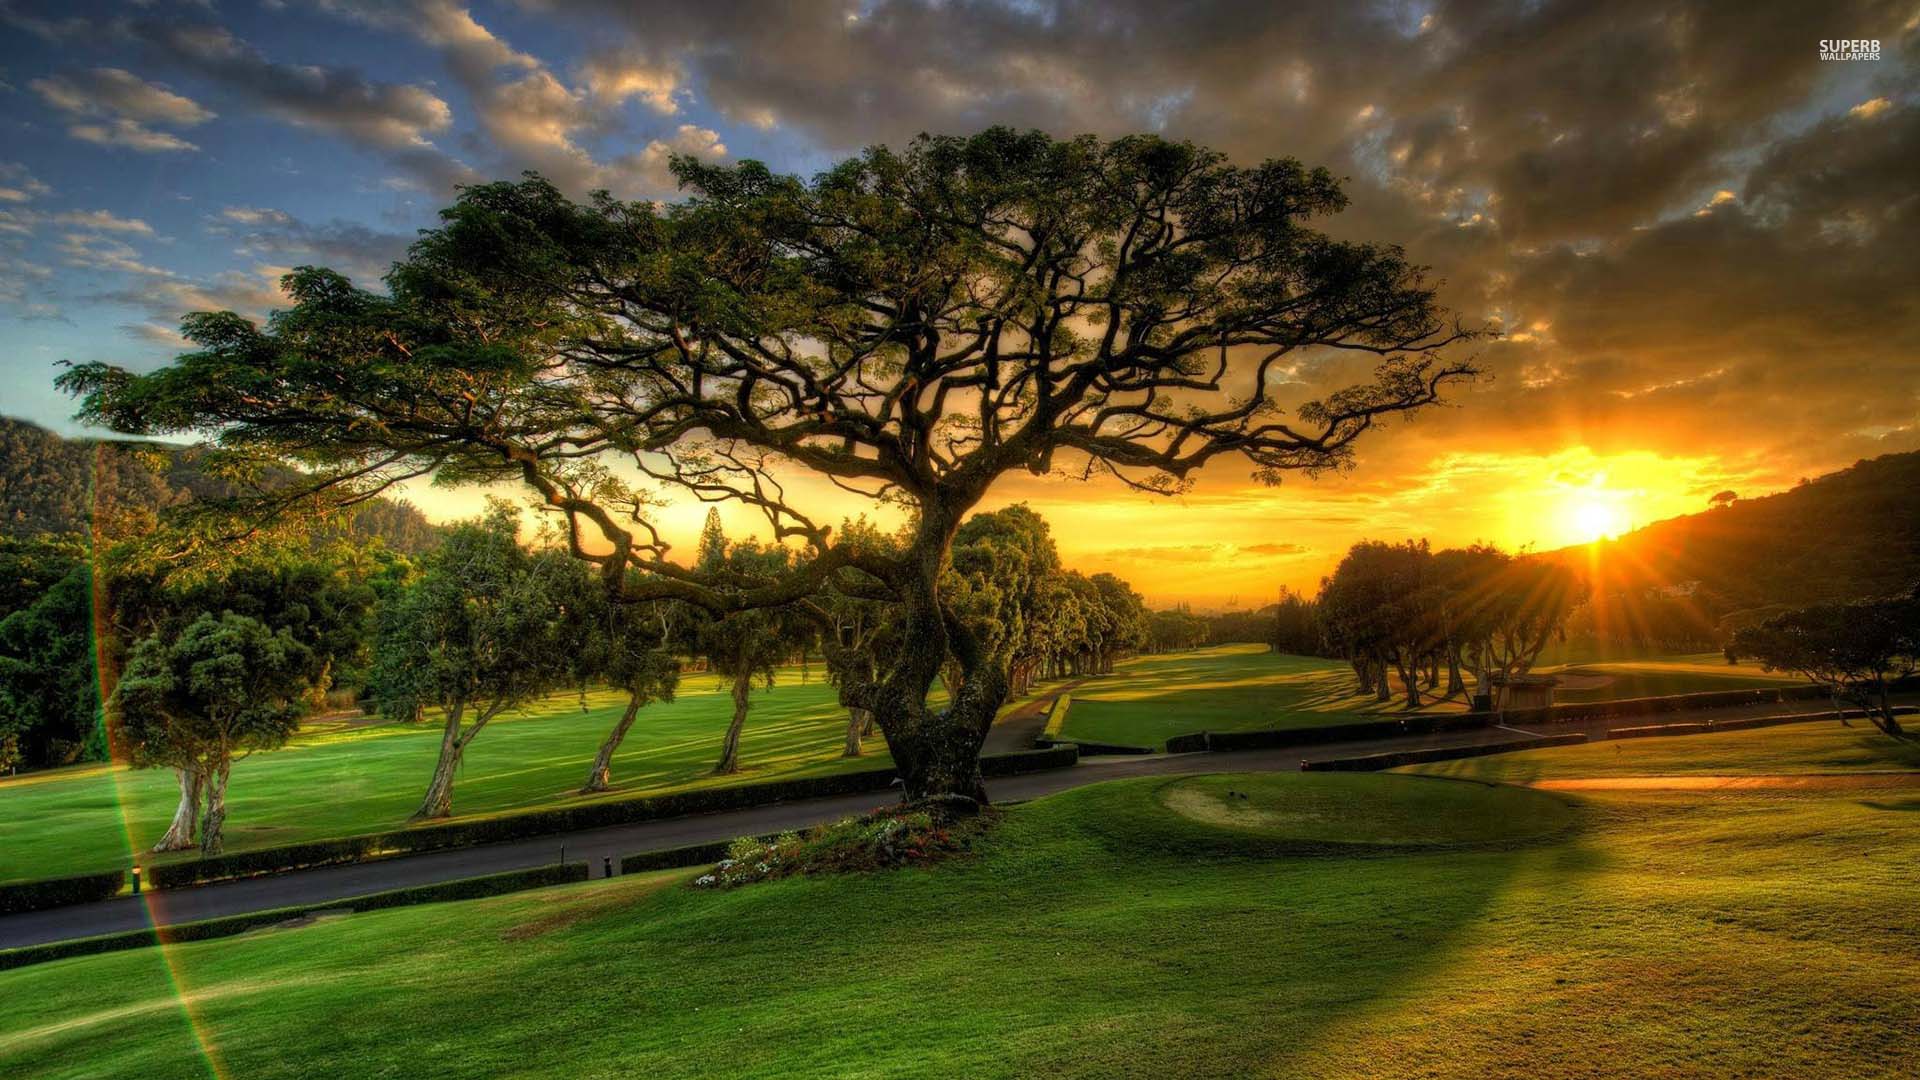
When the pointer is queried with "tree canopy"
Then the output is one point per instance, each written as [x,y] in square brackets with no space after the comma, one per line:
[911,324]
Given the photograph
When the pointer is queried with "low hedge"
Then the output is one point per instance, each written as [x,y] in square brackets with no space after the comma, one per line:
[458,834]
[1396,758]
[1574,712]
[673,858]
[461,889]
[1026,761]
[1418,724]
[1427,724]
[1655,730]
[1092,749]
[1801,718]
[61,892]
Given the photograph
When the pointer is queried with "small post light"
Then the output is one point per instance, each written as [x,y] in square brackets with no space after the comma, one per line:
[136,879]
[606,862]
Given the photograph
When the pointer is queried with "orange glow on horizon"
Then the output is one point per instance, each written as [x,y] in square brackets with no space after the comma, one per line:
[1230,543]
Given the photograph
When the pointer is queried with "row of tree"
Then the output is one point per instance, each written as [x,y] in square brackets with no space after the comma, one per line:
[219,665]
[1408,611]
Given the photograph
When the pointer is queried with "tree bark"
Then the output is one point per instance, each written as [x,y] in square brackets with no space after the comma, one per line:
[1382,685]
[1455,684]
[186,815]
[211,826]
[600,777]
[937,752]
[742,698]
[1886,721]
[438,802]
[857,724]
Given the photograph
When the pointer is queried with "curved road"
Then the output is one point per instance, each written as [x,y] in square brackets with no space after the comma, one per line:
[324,884]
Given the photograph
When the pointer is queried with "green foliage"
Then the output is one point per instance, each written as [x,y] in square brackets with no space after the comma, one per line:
[486,624]
[882,840]
[226,685]
[49,699]
[1856,649]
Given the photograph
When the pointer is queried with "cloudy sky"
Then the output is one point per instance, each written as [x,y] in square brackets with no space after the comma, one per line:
[1701,240]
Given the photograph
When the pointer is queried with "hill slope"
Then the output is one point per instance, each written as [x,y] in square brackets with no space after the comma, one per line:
[51,485]
[1848,534]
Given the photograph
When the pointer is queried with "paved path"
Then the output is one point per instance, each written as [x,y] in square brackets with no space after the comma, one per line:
[325,884]
[1019,727]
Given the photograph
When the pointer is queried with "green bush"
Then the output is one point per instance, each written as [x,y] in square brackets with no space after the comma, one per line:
[880,840]
[60,892]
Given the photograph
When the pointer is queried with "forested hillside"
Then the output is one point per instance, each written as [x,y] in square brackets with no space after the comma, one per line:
[50,485]
[1850,534]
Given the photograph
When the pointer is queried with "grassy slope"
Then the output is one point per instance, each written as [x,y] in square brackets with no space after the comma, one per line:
[336,781]
[1245,688]
[1100,934]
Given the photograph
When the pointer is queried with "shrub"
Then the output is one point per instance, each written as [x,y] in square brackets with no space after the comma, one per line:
[882,840]
[60,892]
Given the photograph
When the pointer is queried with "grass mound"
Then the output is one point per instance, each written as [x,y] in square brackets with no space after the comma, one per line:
[1365,811]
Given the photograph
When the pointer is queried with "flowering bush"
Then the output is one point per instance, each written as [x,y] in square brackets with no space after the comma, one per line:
[875,841]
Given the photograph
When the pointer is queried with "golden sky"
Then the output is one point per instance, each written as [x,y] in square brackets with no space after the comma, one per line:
[1699,239]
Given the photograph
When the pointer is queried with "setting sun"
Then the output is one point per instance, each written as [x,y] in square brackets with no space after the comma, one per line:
[1593,520]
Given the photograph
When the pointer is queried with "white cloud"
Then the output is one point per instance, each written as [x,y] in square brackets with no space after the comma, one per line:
[1870,108]
[114,107]
[248,215]
[614,79]
[103,221]
[17,184]
[131,134]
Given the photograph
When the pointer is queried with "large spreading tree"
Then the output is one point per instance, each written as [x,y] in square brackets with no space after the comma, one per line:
[910,324]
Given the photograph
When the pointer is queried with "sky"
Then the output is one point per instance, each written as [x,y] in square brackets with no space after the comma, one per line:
[1699,239]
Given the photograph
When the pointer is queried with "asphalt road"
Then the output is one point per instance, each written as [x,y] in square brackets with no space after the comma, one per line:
[325,884]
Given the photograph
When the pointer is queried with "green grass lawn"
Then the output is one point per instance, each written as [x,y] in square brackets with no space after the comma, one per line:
[1224,688]
[1246,688]
[337,780]
[1150,928]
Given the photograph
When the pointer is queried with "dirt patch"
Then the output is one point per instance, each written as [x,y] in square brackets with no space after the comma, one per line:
[592,907]
[1789,782]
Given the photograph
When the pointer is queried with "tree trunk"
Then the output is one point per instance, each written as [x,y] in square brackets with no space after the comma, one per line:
[1382,685]
[857,723]
[438,802]
[1455,684]
[186,816]
[1410,679]
[1886,721]
[742,698]
[600,777]
[211,825]
[937,752]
